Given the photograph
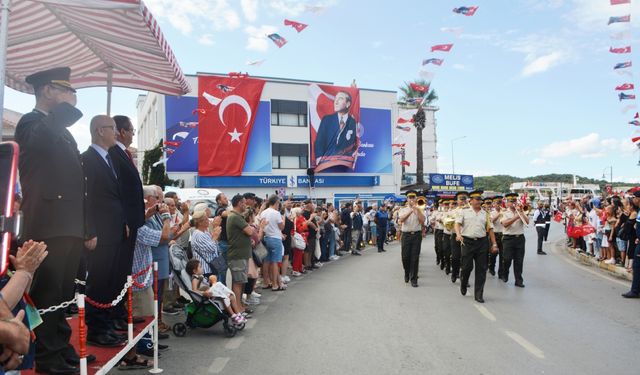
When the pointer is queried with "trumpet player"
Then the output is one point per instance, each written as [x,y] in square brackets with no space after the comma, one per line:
[436,223]
[411,218]
[496,216]
[445,242]
[514,220]
[456,255]
[472,227]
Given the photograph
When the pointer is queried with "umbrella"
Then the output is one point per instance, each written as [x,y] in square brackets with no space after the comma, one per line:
[104,42]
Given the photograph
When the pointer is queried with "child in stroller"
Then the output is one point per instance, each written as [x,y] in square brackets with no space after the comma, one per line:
[213,289]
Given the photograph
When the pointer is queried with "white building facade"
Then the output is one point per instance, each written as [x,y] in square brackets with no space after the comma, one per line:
[284,144]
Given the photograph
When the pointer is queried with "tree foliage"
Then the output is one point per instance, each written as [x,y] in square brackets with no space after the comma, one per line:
[156,175]
[501,183]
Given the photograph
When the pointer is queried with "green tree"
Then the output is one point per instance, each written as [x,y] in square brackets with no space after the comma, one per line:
[156,175]
[408,99]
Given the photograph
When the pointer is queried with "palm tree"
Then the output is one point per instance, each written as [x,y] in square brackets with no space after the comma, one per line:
[409,94]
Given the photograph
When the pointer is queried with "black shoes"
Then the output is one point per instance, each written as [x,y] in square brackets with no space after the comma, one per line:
[504,279]
[541,253]
[414,283]
[75,360]
[120,325]
[492,272]
[356,252]
[630,295]
[104,340]
[463,289]
[479,299]
[520,285]
[406,278]
[62,369]
[447,271]
[454,278]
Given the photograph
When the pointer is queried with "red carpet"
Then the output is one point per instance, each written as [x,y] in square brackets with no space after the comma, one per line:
[103,355]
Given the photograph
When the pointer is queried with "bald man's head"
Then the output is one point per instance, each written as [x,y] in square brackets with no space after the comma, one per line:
[103,131]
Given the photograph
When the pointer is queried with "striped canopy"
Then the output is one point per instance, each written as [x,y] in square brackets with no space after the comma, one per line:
[104,42]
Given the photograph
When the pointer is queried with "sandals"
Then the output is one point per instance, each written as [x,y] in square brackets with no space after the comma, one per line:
[280,289]
[135,363]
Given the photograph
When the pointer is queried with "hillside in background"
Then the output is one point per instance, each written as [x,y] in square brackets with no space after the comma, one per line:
[501,183]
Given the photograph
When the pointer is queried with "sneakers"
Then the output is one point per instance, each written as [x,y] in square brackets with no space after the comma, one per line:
[334,257]
[255,294]
[252,300]
[319,264]
[610,261]
[286,279]
[296,274]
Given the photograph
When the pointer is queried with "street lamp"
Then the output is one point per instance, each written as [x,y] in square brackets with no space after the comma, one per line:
[453,166]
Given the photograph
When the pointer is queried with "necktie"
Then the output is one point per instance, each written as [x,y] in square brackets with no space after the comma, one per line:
[111,165]
[130,157]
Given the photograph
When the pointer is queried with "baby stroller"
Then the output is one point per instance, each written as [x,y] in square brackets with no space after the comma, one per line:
[201,312]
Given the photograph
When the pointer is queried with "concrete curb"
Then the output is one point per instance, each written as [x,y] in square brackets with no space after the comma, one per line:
[610,269]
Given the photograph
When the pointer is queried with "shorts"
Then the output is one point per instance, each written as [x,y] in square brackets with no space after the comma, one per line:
[238,269]
[143,302]
[311,245]
[274,250]
[622,245]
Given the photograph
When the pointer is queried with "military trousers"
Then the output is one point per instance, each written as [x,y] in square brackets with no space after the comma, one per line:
[474,251]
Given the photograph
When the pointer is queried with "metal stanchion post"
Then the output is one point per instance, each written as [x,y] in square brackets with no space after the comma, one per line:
[130,309]
[82,335]
[155,369]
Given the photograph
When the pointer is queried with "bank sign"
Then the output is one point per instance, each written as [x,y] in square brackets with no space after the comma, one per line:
[450,182]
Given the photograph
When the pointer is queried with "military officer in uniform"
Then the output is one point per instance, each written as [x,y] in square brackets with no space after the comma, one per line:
[446,221]
[434,220]
[496,215]
[513,220]
[472,226]
[487,205]
[54,192]
[461,200]
[411,218]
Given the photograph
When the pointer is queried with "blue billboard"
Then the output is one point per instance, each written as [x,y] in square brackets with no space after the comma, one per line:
[450,183]
[182,137]
[375,153]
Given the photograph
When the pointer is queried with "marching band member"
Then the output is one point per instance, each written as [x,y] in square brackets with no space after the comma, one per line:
[461,198]
[496,215]
[513,220]
[411,217]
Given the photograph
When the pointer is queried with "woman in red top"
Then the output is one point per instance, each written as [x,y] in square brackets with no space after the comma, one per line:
[300,225]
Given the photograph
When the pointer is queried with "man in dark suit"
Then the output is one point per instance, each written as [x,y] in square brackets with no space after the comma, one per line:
[106,223]
[336,142]
[131,189]
[53,205]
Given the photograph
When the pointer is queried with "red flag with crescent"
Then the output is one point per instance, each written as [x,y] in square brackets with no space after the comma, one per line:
[225,123]
[296,25]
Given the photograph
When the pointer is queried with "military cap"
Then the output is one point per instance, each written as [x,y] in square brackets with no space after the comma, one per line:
[55,76]
[462,193]
[511,196]
[488,200]
[636,194]
[476,194]
[411,193]
[497,198]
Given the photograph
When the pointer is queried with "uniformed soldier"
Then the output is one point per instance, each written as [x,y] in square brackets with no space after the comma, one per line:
[487,204]
[461,199]
[437,230]
[496,215]
[513,220]
[472,226]
[445,240]
[411,218]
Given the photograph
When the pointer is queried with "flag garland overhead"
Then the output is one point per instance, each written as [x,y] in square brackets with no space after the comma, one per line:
[467,11]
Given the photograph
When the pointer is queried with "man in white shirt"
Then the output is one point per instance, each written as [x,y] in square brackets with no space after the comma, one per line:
[273,240]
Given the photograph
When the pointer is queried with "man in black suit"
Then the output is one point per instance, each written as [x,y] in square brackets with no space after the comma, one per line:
[133,202]
[106,223]
[53,205]
[336,143]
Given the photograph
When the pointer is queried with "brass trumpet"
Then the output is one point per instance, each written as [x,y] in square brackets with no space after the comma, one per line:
[421,202]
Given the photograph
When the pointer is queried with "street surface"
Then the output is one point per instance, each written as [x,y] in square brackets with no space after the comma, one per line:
[357,316]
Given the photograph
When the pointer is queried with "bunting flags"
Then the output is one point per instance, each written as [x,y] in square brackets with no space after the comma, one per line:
[277,39]
[620,19]
[404,120]
[399,145]
[405,163]
[432,61]
[635,123]
[622,96]
[622,65]
[420,88]
[467,11]
[404,128]
[256,62]
[637,115]
[626,49]
[448,47]
[457,31]
[296,25]
[624,87]
[399,153]
[618,2]
[622,35]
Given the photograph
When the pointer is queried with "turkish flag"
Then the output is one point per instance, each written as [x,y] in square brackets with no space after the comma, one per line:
[404,120]
[296,25]
[626,49]
[420,88]
[618,2]
[225,123]
[442,47]
[557,217]
[625,86]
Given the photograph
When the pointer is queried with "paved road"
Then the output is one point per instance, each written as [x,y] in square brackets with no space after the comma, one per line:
[357,316]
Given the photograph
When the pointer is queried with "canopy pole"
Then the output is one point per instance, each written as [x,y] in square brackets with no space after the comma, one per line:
[5,6]
[109,89]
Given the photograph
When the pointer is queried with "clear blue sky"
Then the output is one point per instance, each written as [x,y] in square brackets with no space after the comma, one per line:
[529,82]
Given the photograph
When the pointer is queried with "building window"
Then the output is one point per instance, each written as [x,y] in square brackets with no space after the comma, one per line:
[288,113]
[289,156]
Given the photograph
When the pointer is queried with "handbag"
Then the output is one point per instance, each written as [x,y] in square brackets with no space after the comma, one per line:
[261,252]
[298,241]
[218,264]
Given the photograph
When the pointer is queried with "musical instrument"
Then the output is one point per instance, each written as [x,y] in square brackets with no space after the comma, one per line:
[449,222]
[421,202]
